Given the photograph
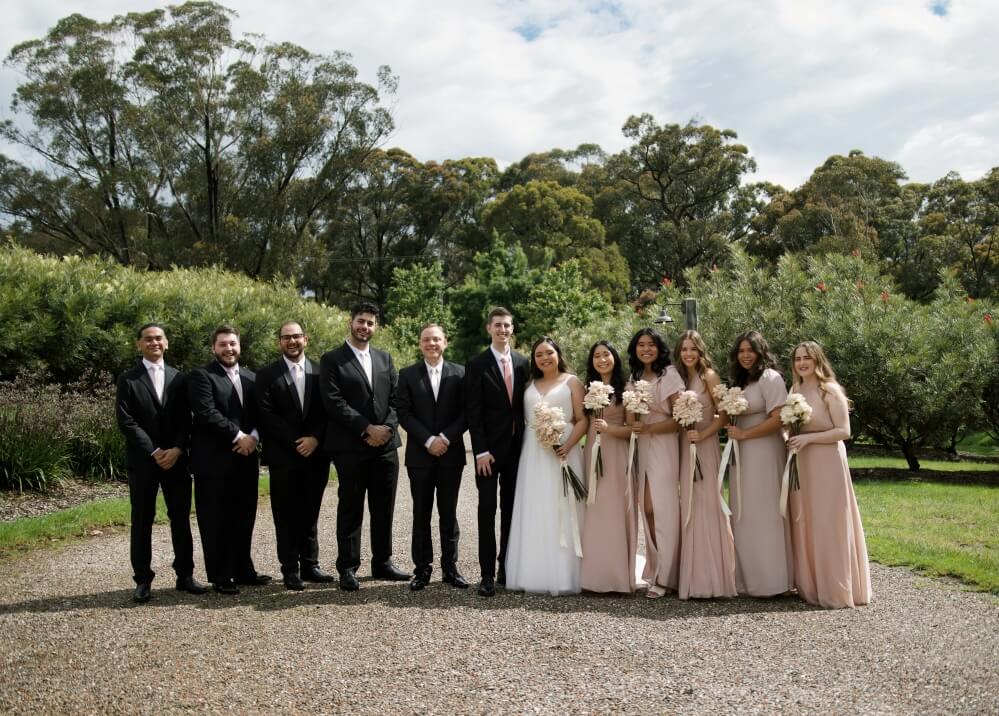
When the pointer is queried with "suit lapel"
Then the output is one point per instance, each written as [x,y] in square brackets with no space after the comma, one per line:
[311,376]
[148,383]
[426,382]
[358,368]
[169,373]
[289,384]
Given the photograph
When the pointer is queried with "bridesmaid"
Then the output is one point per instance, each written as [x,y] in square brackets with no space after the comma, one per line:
[610,530]
[830,552]
[763,562]
[707,555]
[658,461]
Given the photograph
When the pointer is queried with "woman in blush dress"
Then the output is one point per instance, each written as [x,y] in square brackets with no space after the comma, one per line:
[658,461]
[544,551]
[830,552]
[707,554]
[610,533]
[763,564]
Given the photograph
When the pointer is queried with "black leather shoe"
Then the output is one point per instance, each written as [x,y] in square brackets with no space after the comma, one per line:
[419,581]
[142,593]
[455,579]
[390,572]
[501,577]
[226,587]
[317,575]
[190,585]
[348,582]
[294,582]
[254,580]
[487,587]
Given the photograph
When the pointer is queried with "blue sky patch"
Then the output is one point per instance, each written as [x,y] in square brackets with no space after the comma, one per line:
[940,8]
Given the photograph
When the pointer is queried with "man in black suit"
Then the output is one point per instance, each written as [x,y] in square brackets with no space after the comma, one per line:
[224,461]
[292,426]
[432,411]
[358,385]
[494,400]
[152,412]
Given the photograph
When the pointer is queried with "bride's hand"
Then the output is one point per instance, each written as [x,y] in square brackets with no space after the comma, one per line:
[562,451]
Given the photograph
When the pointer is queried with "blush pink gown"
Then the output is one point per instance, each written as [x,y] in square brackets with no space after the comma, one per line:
[707,551]
[827,537]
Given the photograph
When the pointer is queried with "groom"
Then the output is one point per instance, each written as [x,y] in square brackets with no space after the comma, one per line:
[494,395]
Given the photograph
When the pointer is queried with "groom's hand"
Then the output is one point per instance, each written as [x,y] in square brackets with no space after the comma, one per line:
[484,465]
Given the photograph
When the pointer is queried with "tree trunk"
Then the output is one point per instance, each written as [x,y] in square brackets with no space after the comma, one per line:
[910,456]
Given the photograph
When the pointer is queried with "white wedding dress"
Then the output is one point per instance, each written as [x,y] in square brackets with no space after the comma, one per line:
[546,526]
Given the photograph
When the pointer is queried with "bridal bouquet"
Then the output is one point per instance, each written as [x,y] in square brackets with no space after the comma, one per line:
[795,413]
[549,423]
[733,403]
[636,402]
[598,397]
[688,411]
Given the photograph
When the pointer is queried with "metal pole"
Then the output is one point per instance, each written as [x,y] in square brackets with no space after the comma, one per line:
[689,307]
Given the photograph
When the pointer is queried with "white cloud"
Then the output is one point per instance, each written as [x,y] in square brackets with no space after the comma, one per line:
[797,81]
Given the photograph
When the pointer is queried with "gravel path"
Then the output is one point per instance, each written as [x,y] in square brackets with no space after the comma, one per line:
[73,642]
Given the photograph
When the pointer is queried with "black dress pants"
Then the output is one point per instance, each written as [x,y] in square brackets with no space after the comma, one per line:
[505,477]
[424,482]
[226,505]
[143,485]
[360,474]
[296,498]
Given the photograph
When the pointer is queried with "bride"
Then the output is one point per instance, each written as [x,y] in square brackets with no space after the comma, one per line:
[544,550]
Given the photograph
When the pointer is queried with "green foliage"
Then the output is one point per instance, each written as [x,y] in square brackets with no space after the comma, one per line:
[416,299]
[70,315]
[559,297]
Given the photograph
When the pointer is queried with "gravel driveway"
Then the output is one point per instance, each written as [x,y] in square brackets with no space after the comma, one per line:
[73,642]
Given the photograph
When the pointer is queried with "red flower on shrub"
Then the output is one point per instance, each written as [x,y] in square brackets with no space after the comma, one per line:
[988,319]
[884,297]
[855,253]
[820,287]
[667,281]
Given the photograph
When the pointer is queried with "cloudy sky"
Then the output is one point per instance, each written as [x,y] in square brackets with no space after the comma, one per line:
[915,81]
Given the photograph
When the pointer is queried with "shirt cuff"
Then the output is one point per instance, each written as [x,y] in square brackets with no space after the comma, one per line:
[483,454]
[429,442]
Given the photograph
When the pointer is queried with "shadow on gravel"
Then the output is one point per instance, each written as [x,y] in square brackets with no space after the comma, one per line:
[436,596]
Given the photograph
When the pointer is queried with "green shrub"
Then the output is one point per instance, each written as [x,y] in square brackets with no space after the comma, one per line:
[34,436]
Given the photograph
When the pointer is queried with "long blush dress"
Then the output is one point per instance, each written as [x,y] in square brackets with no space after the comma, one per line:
[763,562]
[610,532]
[707,552]
[659,474]
[542,522]
[830,552]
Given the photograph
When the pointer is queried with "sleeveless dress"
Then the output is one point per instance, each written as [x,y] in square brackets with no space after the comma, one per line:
[542,522]
[707,553]
[659,475]
[830,551]
[610,537]
[763,563]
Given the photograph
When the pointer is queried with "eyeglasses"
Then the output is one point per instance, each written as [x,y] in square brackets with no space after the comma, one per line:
[293,337]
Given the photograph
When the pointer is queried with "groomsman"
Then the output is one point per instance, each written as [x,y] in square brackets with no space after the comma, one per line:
[358,385]
[152,412]
[494,400]
[292,426]
[431,410]
[224,461]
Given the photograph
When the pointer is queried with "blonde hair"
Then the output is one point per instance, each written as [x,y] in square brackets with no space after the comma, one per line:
[704,363]
[823,371]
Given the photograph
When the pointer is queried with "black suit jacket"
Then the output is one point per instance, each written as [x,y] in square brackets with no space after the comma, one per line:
[422,416]
[282,418]
[217,417]
[496,425]
[147,423]
[352,404]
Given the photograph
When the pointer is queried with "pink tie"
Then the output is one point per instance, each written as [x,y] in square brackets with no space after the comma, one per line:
[507,377]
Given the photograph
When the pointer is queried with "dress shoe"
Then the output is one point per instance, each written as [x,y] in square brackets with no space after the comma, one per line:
[390,572]
[294,582]
[419,581]
[455,579]
[142,592]
[487,587]
[317,575]
[254,580]
[190,585]
[348,582]
[226,587]
[501,577]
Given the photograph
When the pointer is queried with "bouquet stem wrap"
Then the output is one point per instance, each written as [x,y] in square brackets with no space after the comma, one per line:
[690,483]
[595,467]
[569,505]
[785,483]
[731,449]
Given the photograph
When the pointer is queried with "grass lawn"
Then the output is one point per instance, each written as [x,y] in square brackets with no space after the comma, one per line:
[79,521]
[940,529]
[878,461]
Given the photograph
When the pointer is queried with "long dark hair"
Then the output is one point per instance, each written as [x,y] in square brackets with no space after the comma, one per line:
[535,371]
[659,364]
[764,359]
[617,374]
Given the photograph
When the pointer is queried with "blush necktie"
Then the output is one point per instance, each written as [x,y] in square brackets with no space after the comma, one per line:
[507,377]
